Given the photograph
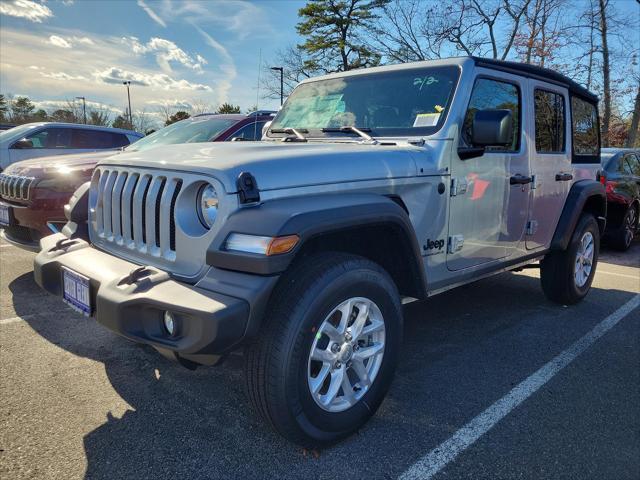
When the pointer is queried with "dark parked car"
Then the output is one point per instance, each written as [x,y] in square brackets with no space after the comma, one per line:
[621,176]
[33,192]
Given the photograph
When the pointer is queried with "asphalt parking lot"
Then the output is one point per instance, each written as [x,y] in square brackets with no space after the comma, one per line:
[80,402]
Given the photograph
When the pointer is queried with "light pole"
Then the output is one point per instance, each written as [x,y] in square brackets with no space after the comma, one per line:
[127,84]
[84,108]
[281,70]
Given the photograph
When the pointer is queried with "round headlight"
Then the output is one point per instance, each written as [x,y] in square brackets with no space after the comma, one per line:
[207,205]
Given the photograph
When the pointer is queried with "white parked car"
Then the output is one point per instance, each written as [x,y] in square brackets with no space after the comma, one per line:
[43,139]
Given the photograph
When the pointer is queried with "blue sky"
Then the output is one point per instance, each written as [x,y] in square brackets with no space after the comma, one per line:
[175,52]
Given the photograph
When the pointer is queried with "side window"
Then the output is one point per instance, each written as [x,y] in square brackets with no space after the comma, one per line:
[493,95]
[634,163]
[51,138]
[550,122]
[252,131]
[584,128]
[98,139]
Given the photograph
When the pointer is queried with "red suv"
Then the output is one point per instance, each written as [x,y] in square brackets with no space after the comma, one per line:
[33,193]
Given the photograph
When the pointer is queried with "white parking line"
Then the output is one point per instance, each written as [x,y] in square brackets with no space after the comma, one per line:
[635,277]
[5,245]
[446,452]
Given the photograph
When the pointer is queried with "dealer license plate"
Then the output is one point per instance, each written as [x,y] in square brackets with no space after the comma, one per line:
[4,214]
[76,291]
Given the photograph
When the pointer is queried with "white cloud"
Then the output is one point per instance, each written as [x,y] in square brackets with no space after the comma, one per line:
[35,12]
[115,75]
[85,40]
[62,76]
[227,65]
[57,41]
[68,42]
[238,16]
[154,16]
[166,51]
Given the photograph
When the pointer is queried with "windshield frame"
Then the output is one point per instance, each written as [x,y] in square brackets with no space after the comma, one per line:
[386,132]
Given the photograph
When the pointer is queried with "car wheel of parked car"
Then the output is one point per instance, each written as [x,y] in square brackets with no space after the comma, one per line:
[326,354]
[623,236]
[566,276]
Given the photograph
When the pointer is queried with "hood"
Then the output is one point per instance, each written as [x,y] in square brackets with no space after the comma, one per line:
[277,165]
[59,164]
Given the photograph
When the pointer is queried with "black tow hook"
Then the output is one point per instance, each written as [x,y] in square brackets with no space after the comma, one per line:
[63,244]
[135,275]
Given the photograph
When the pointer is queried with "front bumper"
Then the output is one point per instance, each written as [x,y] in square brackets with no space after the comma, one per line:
[209,323]
[31,222]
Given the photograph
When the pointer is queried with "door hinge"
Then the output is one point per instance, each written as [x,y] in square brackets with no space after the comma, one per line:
[534,182]
[458,187]
[455,243]
[532,227]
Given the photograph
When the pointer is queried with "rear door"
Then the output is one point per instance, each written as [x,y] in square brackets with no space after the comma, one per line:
[487,214]
[550,160]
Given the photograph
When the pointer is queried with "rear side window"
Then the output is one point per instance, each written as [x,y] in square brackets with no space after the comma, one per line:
[97,139]
[632,164]
[585,131]
[550,122]
[490,94]
[252,131]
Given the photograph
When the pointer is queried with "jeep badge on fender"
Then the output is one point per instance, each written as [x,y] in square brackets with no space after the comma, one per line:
[299,250]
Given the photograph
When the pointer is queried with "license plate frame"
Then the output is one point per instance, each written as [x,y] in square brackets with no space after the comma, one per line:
[76,291]
[5,215]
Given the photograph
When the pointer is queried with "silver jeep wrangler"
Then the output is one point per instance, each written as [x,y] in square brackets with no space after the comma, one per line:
[369,188]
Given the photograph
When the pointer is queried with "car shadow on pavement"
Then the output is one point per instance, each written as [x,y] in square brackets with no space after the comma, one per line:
[630,258]
[462,351]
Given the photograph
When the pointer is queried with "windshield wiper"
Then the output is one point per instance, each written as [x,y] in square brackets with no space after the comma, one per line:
[356,130]
[298,136]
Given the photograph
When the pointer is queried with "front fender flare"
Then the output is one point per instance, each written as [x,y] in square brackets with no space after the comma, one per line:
[308,217]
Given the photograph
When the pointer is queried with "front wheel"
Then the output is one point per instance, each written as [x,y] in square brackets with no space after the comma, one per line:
[326,354]
[567,275]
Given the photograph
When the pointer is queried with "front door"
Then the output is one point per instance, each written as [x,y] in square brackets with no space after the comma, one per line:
[550,160]
[488,215]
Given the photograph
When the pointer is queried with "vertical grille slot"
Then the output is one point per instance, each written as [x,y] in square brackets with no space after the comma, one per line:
[116,206]
[126,209]
[172,216]
[139,196]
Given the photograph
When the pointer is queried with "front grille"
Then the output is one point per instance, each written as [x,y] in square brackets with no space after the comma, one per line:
[15,187]
[136,210]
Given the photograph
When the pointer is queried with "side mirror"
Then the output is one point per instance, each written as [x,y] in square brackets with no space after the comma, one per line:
[492,128]
[23,143]
[489,128]
[265,127]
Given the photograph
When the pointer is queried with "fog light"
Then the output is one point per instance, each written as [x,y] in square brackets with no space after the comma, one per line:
[169,323]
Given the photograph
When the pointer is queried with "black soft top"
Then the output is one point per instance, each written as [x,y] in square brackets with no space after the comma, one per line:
[537,72]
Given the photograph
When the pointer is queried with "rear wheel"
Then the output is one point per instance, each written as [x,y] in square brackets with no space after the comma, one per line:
[567,275]
[326,354]
[621,239]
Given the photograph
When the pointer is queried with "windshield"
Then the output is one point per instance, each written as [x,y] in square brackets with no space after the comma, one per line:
[191,130]
[396,103]
[17,132]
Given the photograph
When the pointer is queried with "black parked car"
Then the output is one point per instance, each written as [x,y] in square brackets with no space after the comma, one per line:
[621,176]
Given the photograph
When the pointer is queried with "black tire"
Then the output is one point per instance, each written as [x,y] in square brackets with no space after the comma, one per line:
[277,362]
[622,237]
[557,269]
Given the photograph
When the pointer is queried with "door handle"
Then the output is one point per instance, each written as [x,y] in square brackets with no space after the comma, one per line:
[563,177]
[520,180]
